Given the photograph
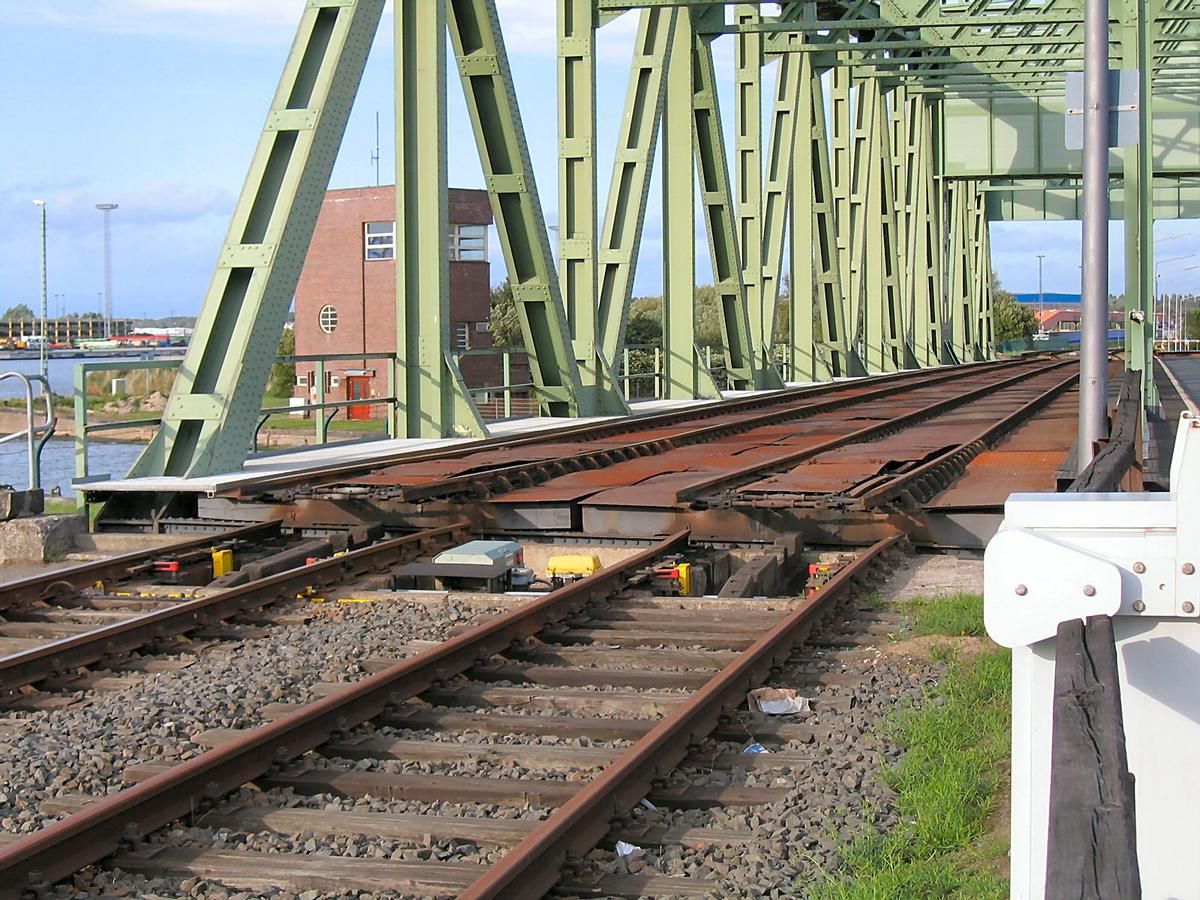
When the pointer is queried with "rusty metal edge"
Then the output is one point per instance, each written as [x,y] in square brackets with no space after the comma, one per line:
[533,866]
[609,427]
[725,480]
[86,837]
[28,666]
[500,480]
[87,574]
[955,461]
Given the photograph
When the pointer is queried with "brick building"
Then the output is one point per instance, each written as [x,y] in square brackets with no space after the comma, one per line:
[345,300]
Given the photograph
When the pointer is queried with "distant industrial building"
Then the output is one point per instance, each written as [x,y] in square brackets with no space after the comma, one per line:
[346,297]
[62,331]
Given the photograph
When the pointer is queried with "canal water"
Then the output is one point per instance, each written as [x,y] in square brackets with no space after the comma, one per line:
[58,462]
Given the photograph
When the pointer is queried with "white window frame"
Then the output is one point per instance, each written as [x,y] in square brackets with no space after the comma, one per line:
[468,243]
[379,244]
[327,318]
[462,336]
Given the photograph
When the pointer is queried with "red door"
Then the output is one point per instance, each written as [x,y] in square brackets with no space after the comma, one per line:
[358,387]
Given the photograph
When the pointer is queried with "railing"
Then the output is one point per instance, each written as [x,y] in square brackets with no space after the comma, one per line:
[35,435]
[641,363]
[84,429]
[507,406]
[1177,345]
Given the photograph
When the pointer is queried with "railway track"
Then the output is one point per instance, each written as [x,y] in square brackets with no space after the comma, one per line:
[106,630]
[596,691]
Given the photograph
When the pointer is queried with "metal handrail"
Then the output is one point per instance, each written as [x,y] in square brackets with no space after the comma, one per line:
[35,435]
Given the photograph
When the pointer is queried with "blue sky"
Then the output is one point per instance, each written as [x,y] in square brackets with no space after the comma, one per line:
[157,105]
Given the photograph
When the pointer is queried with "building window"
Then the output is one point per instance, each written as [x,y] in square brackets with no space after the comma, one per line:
[462,335]
[379,240]
[468,243]
[328,319]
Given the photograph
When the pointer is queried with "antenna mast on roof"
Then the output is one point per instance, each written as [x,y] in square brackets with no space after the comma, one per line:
[376,156]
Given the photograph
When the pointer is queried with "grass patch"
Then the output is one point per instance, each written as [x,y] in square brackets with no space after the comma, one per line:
[953,615]
[60,506]
[956,750]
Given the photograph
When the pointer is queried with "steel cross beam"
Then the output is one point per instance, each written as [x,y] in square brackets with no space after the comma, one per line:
[717,198]
[434,399]
[211,416]
[804,289]
[629,189]
[507,169]
[577,25]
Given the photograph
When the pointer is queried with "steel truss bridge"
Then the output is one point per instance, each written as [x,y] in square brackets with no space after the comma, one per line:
[897,131]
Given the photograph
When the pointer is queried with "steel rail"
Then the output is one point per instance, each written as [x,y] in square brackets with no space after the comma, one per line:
[42,587]
[481,484]
[934,476]
[85,837]
[590,430]
[728,479]
[30,666]
[533,866]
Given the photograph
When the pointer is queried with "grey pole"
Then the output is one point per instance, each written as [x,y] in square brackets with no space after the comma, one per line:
[1093,339]
[42,363]
[106,210]
[1041,294]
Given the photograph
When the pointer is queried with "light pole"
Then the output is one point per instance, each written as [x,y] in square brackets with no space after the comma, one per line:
[1041,294]
[42,364]
[106,210]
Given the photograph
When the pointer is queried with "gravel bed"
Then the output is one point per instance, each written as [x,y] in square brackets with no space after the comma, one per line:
[83,749]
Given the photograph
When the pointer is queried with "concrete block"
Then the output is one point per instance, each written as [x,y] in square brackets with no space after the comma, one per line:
[39,538]
[14,504]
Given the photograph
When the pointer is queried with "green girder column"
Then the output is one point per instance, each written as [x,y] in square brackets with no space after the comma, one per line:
[834,340]
[885,339]
[923,238]
[684,375]
[843,140]
[748,159]
[806,364]
[577,200]
[985,330]
[1137,47]
[629,190]
[211,415]
[777,199]
[508,173]
[434,401]
[958,272]
[719,218]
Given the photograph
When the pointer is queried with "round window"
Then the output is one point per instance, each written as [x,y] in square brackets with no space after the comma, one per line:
[328,319]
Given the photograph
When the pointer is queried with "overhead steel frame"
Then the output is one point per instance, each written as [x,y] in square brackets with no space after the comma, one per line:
[887,255]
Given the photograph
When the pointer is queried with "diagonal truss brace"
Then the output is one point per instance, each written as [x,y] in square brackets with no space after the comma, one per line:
[508,172]
[211,415]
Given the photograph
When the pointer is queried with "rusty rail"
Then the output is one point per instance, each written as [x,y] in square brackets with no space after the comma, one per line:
[115,568]
[532,867]
[501,480]
[729,480]
[89,835]
[33,665]
[593,430]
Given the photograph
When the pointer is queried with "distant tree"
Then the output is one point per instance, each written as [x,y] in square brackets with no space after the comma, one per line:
[19,312]
[1191,326]
[506,324]
[283,374]
[1014,321]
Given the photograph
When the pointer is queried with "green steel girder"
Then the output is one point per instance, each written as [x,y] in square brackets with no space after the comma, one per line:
[434,401]
[685,376]
[834,341]
[959,278]
[577,199]
[717,200]
[923,236]
[777,197]
[841,119]
[981,264]
[803,303]
[212,414]
[629,189]
[504,153]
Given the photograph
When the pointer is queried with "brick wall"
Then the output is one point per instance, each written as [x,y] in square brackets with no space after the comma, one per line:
[362,291]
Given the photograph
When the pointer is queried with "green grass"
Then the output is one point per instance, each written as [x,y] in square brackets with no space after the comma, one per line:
[956,747]
[60,506]
[953,615]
